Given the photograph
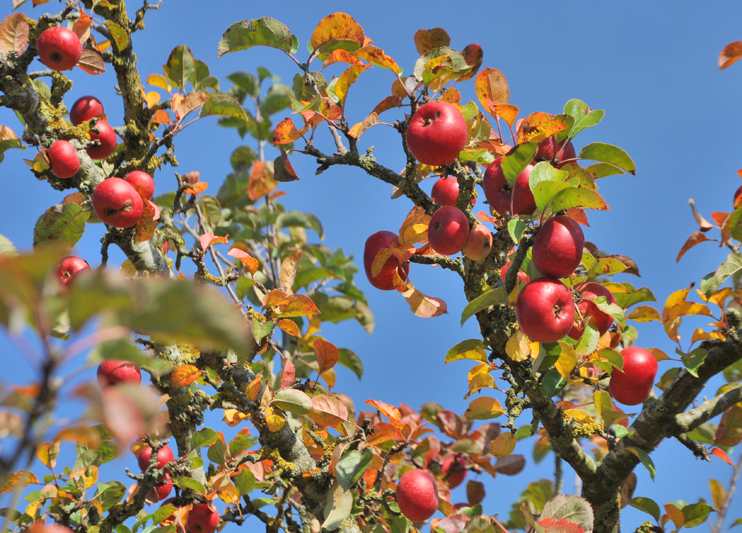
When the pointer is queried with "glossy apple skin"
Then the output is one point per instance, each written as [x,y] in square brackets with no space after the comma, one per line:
[202,518]
[59,48]
[112,372]
[161,492]
[164,456]
[548,149]
[545,310]
[448,231]
[586,308]
[377,241]
[417,495]
[142,183]
[521,275]
[479,244]
[63,159]
[436,133]
[69,267]
[498,192]
[117,203]
[634,385]
[454,470]
[557,248]
[446,192]
[84,109]
[107,138]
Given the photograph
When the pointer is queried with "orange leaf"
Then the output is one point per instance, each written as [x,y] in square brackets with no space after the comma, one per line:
[427,40]
[253,389]
[337,27]
[358,130]
[719,217]
[198,188]
[391,412]
[82,27]
[484,217]
[250,262]
[376,56]
[16,480]
[152,98]
[327,355]
[492,89]
[538,126]
[721,454]
[387,103]
[695,238]
[383,432]
[288,376]
[473,56]
[286,131]
[730,54]
[341,56]
[346,79]
[578,215]
[207,239]
[508,112]
[185,375]
[288,270]
[14,33]
[161,117]
[328,410]
[451,95]
[91,62]
[261,181]
[298,305]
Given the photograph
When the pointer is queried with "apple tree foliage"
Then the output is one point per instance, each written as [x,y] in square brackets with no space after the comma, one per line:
[242,336]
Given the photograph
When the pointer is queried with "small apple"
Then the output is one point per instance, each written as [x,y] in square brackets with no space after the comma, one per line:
[738,198]
[544,310]
[84,109]
[633,385]
[500,195]
[106,138]
[479,244]
[112,372]
[59,48]
[162,490]
[69,267]
[63,159]
[454,470]
[417,495]
[549,149]
[436,133]
[203,518]
[142,182]
[384,280]
[117,203]
[448,231]
[446,192]
[557,248]
[521,275]
[586,308]
[164,456]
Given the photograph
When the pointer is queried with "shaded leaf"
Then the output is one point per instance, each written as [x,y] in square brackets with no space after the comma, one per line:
[62,223]
[648,506]
[488,299]
[293,401]
[427,40]
[264,31]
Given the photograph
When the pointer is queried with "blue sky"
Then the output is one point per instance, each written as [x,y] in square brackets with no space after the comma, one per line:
[652,69]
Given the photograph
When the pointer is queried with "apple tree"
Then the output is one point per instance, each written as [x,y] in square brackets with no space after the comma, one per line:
[241,333]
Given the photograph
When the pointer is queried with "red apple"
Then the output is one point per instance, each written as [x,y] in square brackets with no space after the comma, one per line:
[557,248]
[454,470]
[417,495]
[377,241]
[436,133]
[59,48]
[634,385]
[63,159]
[586,308]
[448,231]
[521,275]
[164,456]
[545,310]
[112,372]
[479,244]
[203,518]
[142,182]
[84,109]
[160,492]
[107,139]
[549,149]
[738,198]
[69,267]
[446,192]
[500,195]
[117,203]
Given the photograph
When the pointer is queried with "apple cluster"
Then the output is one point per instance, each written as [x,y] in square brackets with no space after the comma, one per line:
[163,457]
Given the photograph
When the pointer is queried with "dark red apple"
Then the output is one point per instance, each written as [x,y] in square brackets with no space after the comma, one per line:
[107,139]
[203,518]
[586,308]
[59,48]
[117,203]
[479,244]
[557,248]
[69,267]
[436,133]
[417,495]
[112,372]
[63,159]
[500,195]
[160,492]
[633,385]
[549,149]
[377,241]
[545,310]
[84,109]
[446,192]
[164,456]
[521,275]
[448,231]
[454,470]
[142,182]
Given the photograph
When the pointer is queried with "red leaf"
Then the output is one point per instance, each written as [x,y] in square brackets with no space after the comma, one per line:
[721,454]
[730,54]
[289,374]
[327,355]
[14,33]
[559,525]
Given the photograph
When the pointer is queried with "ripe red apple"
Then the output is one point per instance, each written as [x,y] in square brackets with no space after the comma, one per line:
[549,148]
[436,133]
[160,492]
[377,241]
[738,197]
[164,456]
[499,194]
[112,372]
[454,470]
[586,308]
[107,139]
[59,48]
[557,248]
[142,182]
[446,192]
[84,109]
[117,203]
[479,244]
[68,268]
[203,518]
[634,385]
[545,310]
[417,495]
[63,159]
[521,275]
[448,231]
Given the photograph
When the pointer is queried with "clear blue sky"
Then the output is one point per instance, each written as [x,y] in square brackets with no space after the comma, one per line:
[652,68]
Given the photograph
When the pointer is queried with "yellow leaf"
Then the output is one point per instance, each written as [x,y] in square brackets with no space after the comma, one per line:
[233,417]
[253,388]
[185,375]
[484,408]
[158,80]
[659,355]
[288,271]
[579,416]
[18,479]
[274,422]
[152,98]
[47,453]
[289,326]
[567,360]
[503,445]
[228,494]
[644,313]
[518,347]
[718,493]
[700,335]
[346,79]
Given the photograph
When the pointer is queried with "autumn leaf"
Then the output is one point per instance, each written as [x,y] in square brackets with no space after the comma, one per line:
[261,180]
[246,259]
[327,355]
[492,89]
[503,445]
[730,54]
[253,389]
[427,40]
[423,305]
[185,375]
[286,131]
[288,271]
[695,238]
[337,27]
[328,410]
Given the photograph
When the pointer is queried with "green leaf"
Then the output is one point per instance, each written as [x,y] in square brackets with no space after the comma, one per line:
[729,267]
[298,219]
[552,383]
[695,514]
[583,115]
[351,467]
[223,105]
[578,197]
[350,360]
[589,341]
[277,99]
[7,144]
[204,437]
[118,33]
[190,483]
[246,81]
[646,505]
[619,431]
[61,224]
[242,158]
[260,330]
[614,358]
[633,296]
[212,210]
[693,360]
[179,67]
[571,508]
[472,349]
[454,62]
[264,31]
[602,170]
[516,227]
[644,458]
[737,522]
[545,183]
[489,298]
[337,508]
[245,481]
[293,401]
[607,153]
[601,302]
[517,160]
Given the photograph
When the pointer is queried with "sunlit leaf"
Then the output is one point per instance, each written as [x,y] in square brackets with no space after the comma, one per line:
[472,349]
[484,408]
[264,31]
[730,54]
[185,375]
